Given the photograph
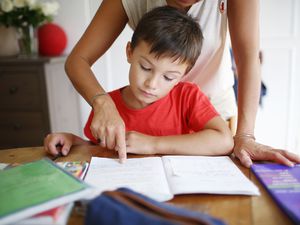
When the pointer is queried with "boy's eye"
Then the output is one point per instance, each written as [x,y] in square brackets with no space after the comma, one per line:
[168,78]
[145,68]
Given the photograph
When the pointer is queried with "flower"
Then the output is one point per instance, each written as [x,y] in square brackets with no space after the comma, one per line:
[23,13]
[50,8]
[7,6]
[19,3]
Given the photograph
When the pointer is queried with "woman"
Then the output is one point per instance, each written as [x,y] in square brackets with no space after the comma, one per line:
[212,71]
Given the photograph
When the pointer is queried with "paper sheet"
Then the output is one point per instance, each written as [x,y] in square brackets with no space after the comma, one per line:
[203,174]
[144,175]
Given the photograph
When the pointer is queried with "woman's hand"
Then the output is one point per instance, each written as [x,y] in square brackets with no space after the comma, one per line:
[58,143]
[246,150]
[139,143]
[108,127]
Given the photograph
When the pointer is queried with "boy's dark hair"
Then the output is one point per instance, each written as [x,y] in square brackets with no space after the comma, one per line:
[170,32]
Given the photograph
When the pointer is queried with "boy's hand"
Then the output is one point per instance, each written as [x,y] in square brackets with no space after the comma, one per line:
[139,143]
[246,150]
[58,143]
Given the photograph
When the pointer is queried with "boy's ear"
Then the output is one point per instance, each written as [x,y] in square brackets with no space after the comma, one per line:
[128,52]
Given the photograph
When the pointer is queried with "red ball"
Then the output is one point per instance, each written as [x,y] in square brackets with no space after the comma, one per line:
[52,40]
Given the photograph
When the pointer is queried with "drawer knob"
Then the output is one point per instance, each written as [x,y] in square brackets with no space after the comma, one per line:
[13,90]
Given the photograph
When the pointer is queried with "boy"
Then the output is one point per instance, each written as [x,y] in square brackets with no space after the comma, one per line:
[162,115]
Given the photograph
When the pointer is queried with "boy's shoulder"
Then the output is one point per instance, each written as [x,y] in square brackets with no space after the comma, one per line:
[186,87]
[116,94]
[187,84]
[186,91]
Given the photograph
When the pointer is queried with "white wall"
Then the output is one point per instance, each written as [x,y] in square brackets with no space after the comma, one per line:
[278,120]
[74,18]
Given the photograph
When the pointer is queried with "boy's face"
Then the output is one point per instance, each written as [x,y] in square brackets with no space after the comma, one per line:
[150,78]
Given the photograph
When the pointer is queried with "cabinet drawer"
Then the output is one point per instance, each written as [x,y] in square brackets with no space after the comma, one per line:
[22,129]
[21,89]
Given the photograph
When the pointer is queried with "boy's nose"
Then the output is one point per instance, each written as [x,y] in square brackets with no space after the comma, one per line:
[151,83]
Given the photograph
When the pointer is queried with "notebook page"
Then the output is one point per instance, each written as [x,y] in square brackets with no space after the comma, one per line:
[144,175]
[204,174]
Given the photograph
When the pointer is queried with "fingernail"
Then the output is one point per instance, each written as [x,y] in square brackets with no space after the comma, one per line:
[248,164]
[122,160]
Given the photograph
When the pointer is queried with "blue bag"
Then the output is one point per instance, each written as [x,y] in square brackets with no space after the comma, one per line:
[126,207]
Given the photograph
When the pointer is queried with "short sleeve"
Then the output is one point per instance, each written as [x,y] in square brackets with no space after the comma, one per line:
[200,110]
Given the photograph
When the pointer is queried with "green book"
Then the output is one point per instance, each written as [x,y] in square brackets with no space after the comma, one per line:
[35,187]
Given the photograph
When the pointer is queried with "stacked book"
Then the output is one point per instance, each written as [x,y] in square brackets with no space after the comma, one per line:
[40,192]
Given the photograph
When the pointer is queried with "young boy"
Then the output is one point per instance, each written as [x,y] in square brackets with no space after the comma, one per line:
[162,115]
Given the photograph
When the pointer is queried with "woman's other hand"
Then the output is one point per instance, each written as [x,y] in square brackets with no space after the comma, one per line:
[247,149]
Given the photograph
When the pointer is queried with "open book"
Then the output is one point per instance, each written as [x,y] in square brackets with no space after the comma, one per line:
[163,177]
[35,187]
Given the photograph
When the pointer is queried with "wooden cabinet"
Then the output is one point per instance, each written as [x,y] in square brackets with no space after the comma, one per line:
[36,98]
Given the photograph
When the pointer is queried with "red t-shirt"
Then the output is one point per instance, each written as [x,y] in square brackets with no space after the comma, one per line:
[184,110]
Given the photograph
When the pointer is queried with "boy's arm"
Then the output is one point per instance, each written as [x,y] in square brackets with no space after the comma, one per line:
[61,143]
[214,139]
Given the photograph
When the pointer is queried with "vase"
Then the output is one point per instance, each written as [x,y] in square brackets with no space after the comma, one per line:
[27,40]
[8,42]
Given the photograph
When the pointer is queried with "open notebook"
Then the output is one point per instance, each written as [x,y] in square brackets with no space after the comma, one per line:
[163,177]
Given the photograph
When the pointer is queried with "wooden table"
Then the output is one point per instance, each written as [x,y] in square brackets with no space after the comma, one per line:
[234,210]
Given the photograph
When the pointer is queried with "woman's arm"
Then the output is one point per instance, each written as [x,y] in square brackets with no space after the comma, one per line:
[243,17]
[214,139]
[107,24]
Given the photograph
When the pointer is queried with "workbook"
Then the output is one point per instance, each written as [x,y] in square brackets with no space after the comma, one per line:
[283,184]
[35,187]
[163,177]
[60,214]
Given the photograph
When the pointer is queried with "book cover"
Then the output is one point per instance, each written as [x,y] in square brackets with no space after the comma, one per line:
[76,168]
[283,184]
[35,187]
[60,214]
